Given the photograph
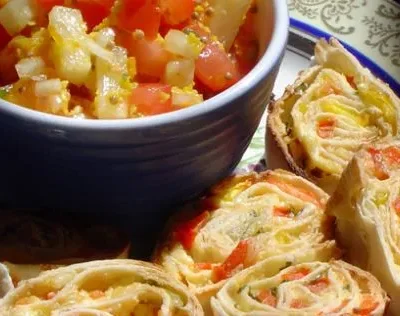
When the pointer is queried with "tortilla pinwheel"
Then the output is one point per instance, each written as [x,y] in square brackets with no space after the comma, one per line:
[329,112]
[281,286]
[367,207]
[256,216]
[102,288]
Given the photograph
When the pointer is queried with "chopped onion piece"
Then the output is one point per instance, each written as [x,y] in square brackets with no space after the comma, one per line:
[48,87]
[30,67]
[179,73]
[176,42]
[111,96]
[98,51]
[16,15]
[105,36]
[227,17]
[72,62]
[183,98]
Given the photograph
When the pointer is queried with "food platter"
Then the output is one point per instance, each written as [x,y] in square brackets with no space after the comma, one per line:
[307,224]
[352,23]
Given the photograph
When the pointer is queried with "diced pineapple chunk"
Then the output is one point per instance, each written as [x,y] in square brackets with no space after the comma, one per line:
[180,44]
[72,47]
[66,24]
[72,62]
[36,45]
[112,81]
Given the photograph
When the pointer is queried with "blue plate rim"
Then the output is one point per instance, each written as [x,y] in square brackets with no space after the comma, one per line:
[364,60]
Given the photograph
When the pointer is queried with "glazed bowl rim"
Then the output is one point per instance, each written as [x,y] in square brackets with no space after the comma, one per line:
[261,70]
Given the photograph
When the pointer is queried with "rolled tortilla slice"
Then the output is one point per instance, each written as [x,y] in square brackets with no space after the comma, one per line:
[266,214]
[31,244]
[281,286]
[331,110]
[108,288]
[367,207]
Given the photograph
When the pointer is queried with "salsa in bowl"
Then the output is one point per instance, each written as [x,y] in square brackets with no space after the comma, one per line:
[119,59]
[148,163]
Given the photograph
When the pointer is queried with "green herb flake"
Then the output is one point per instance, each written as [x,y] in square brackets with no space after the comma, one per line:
[299,212]
[301,88]
[3,93]
[253,296]
[242,288]
[188,30]
[346,287]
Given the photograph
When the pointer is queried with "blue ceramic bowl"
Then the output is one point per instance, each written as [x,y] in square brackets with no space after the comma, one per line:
[144,164]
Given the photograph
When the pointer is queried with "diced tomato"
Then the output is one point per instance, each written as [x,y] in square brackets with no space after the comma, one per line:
[134,5]
[246,46]
[47,5]
[302,194]
[350,80]
[379,164]
[318,285]
[142,15]
[282,211]
[186,232]
[176,12]
[203,265]
[203,89]
[151,57]
[266,297]
[396,205]
[237,257]
[297,303]
[165,28]
[368,305]
[94,11]
[296,274]
[151,99]
[392,155]
[326,128]
[4,37]
[215,69]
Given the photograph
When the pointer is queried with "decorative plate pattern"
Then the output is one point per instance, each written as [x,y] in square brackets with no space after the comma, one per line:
[370,26]
[370,29]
